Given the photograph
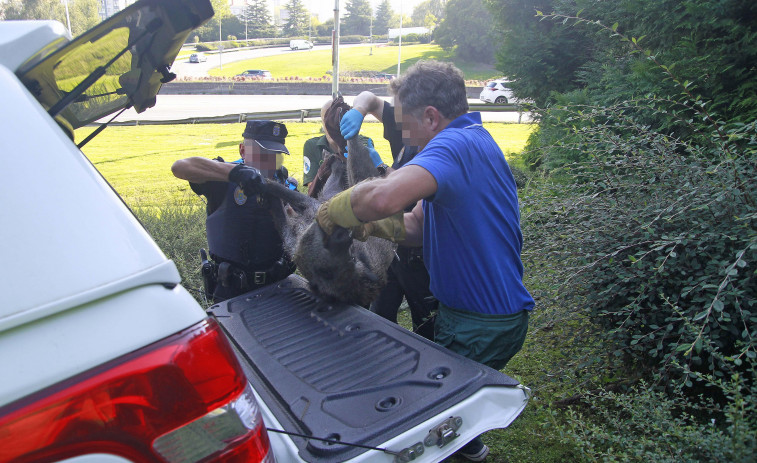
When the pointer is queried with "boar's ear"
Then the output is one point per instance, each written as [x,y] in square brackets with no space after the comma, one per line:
[340,240]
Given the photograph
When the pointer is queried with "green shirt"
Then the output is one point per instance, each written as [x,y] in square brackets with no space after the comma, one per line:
[312,157]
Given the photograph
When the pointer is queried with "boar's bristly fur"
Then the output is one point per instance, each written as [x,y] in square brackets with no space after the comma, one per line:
[337,267]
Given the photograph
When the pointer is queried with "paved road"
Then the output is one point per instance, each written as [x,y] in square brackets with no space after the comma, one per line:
[170,107]
[183,68]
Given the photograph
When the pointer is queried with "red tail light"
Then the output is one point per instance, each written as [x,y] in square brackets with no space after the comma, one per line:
[145,406]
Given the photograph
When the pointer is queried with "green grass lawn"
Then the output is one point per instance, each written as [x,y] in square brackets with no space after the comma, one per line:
[377,57]
[137,159]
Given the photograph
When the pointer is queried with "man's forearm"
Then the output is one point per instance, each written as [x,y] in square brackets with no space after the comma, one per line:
[368,103]
[370,203]
[413,231]
[201,170]
[378,199]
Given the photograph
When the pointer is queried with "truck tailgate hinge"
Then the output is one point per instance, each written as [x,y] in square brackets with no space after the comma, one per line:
[409,454]
[443,433]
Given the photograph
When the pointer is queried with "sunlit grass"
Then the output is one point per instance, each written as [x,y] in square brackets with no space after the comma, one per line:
[137,159]
[377,57]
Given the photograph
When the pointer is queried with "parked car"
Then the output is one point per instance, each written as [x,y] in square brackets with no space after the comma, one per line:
[383,76]
[255,74]
[197,58]
[300,44]
[107,357]
[497,92]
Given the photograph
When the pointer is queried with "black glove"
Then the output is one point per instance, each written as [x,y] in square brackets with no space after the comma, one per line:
[249,178]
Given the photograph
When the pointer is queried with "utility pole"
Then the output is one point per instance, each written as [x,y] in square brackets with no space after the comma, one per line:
[245,21]
[335,51]
[399,48]
[220,44]
[68,20]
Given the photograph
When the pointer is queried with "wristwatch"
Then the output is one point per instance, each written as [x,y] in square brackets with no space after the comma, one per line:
[382,168]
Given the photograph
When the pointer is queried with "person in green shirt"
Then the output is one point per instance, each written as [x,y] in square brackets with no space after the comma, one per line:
[315,151]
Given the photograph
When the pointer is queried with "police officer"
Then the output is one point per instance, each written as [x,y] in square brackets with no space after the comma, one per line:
[244,245]
[407,276]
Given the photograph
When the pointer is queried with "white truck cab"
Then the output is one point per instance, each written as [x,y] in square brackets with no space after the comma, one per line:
[106,357]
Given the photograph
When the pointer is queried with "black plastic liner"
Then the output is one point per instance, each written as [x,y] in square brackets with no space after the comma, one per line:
[340,372]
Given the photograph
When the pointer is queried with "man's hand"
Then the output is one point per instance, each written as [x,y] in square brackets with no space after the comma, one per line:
[350,124]
[337,211]
[249,178]
[375,157]
[391,228]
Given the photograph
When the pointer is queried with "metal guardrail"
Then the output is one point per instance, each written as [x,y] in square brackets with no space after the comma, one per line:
[295,114]
[300,114]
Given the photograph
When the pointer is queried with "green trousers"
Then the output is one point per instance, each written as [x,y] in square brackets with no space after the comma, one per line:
[489,339]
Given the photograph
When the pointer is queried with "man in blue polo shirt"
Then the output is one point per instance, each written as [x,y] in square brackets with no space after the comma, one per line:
[466,218]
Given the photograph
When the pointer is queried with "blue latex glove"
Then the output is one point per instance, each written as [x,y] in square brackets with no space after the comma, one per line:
[375,158]
[350,124]
[377,161]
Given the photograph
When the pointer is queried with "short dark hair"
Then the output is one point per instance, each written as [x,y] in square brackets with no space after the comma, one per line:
[432,83]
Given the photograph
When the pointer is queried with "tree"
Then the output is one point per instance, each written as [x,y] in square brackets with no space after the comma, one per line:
[358,18]
[258,18]
[297,24]
[468,29]
[34,9]
[84,15]
[540,57]
[324,29]
[383,20]
[221,8]
[210,31]
[429,13]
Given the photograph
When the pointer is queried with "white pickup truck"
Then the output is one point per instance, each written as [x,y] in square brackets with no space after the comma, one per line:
[107,358]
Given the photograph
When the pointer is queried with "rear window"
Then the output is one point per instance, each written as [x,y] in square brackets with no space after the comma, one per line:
[491,84]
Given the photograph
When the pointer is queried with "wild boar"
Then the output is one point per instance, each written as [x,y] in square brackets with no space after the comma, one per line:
[337,267]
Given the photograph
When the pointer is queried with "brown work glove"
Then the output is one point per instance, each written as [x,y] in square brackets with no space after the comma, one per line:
[391,228]
[337,211]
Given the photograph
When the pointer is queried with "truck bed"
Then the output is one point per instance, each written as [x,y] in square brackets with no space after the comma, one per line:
[340,372]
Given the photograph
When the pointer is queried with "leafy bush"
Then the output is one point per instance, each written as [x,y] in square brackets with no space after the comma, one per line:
[233,43]
[663,229]
[648,426]
[647,217]
[658,238]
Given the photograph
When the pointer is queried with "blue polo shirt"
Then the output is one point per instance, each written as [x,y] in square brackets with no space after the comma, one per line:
[471,231]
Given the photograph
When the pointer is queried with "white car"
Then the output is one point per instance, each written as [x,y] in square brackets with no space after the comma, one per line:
[197,58]
[107,358]
[496,92]
[300,44]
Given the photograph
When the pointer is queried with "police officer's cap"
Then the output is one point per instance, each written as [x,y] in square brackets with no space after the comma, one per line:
[268,134]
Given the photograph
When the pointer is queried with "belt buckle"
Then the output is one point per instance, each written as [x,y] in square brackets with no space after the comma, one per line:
[259,278]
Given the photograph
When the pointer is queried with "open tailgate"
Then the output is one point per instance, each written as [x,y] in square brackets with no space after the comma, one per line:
[340,372]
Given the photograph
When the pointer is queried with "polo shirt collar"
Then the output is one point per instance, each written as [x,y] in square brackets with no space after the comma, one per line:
[465,121]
